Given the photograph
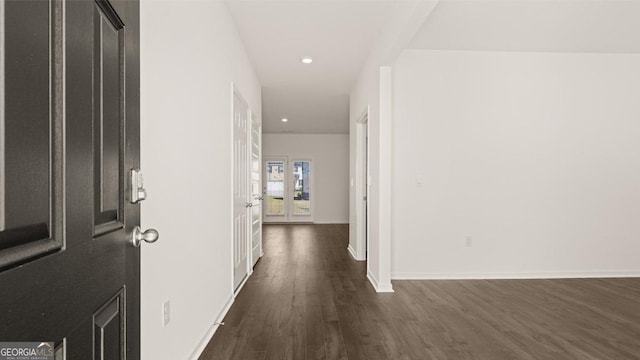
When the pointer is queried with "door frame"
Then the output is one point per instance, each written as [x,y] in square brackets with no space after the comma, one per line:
[362,183]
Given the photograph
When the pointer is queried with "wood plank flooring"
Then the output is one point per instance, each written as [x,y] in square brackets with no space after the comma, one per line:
[308,299]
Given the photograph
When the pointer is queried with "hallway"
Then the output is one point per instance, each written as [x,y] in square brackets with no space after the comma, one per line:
[307,299]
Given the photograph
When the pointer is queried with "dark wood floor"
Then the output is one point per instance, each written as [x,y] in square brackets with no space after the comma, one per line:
[307,299]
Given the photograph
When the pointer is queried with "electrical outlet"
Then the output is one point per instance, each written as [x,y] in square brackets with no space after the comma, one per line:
[166,313]
[468,242]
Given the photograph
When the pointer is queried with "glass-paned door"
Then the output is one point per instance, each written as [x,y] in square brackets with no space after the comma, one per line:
[288,190]
[301,197]
[275,188]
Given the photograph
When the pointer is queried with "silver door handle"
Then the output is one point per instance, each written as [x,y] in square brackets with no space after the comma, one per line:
[248,205]
[149,236]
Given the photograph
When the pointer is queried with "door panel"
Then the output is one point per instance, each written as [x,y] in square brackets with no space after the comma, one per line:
[28,125]
[108,114]
[299,200]
[240,189]
[71,93]
[301,197]
[109,326]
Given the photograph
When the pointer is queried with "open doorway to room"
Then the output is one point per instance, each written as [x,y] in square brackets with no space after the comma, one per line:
[288,190]
[362,188]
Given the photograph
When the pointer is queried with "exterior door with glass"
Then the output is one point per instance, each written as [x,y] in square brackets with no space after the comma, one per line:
[275,190]
[300,199]
[287,190]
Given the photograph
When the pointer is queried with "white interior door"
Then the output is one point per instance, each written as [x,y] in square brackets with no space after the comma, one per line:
[256,190]
[241,199]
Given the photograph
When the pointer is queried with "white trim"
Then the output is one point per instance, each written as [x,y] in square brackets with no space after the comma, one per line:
[381,288]
[352,252]
[534,275]
[244,281]
[232,200]
[385,168]
[212,330]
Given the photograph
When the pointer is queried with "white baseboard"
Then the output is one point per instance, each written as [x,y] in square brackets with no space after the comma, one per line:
[212,330]
[535,275]
[352,252]
[244,281]
[381,288]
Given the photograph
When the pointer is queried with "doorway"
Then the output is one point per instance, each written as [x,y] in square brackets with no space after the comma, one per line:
[362,188]
[288,190]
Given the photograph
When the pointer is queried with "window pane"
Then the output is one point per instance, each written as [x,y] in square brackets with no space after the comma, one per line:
[275,188]
[301,188]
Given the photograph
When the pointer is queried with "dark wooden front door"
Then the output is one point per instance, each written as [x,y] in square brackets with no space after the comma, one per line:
[69,137]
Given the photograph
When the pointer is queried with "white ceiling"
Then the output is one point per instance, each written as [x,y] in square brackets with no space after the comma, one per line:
[338,35]
[587,26]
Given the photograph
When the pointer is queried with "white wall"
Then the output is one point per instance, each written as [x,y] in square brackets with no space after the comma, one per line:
[330,167]
[367,93]
[533,156]
[190,55]
[540,26]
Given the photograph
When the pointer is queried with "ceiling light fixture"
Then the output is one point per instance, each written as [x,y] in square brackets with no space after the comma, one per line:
[306,60]
[285,119]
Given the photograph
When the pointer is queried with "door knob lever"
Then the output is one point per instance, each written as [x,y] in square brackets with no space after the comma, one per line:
[148,236]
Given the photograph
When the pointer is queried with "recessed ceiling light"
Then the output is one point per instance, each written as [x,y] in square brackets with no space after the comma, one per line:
[306,60]
[285,119]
